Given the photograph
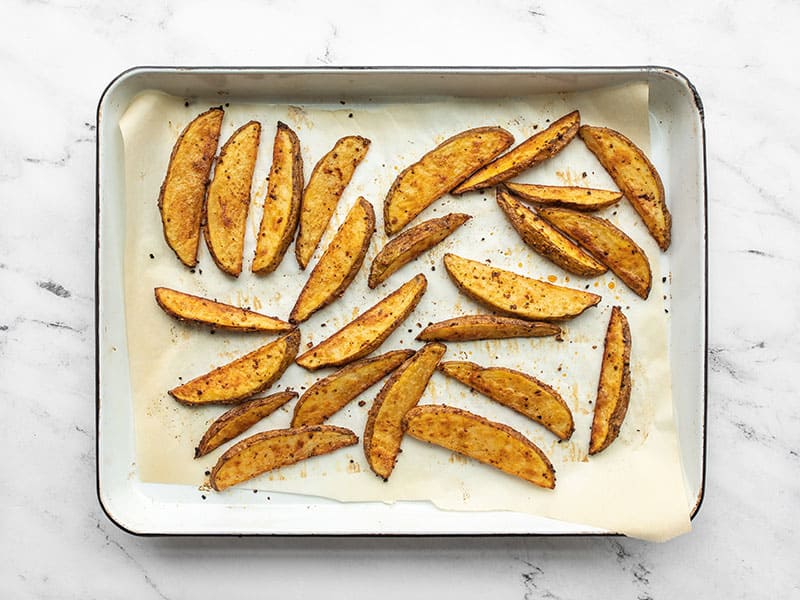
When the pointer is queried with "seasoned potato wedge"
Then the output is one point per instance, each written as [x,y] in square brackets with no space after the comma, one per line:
[282,204]
[614,387]
[528,396]
[183,192]
[410,244]
[270,450]
[460,370]
[239,419]
[516,294]
[328,180]
[485,327]
[568,196]
[243,377]
[228,198]
[608,243]
[331,394]
[339,263]
[491,443]
[439,171]
[383,433]
[368,331]
[186,307]
[635,175]
[546,240]
[537,148]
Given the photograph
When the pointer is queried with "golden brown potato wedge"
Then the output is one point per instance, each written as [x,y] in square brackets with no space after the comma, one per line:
[368,331]
[460,370]
[485,327]
[528,396]
[228,198]
[614,387]
[491,443]
[282,204]
[183,192]
[331,394]
[568,196]
[439,171]
[384,433]
[516,294]
[410,244]
[328,179]
[635,175]
[187,307]
[608,243]
[239,419]
[546,240]
[534,150]
[271,450]
[339,263]
[243,377]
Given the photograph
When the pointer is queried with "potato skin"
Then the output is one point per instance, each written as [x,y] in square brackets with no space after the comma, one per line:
[485,327]
[410,244]
[183,192]
[566,196]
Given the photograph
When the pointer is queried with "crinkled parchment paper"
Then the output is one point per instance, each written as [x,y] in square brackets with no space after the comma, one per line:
[636,486]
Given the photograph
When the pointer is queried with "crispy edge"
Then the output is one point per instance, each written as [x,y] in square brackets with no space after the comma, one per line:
[304,248]
[394,227]
[433,350]
[344,238]
[162,293]
[411,243]
[235,269]
[469,328]
[207,152]
[257,409]
[613,355]
[546,240]
[392,360]
[651,202]
[460,370]
[345,438]
[292,341]
[369,346]
[548,477]
[552,140]
[570,195]
[296,162]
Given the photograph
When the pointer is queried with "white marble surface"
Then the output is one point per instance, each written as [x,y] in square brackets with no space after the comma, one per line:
[55,59]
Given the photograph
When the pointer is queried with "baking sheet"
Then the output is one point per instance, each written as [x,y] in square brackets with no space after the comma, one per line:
[634,487]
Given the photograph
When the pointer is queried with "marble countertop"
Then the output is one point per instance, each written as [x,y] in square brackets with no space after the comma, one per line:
[57,56]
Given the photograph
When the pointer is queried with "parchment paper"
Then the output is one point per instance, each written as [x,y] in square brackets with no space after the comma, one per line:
[636,486]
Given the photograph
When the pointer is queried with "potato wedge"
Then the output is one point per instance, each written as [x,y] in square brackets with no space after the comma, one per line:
[410,244]
[485,327]
[271,450]
[439,171]
[186,307]
[183,192]
[460,370]
[239,419]
[384,433]
[329,395]
[614,387]
[568,196]
[635,175]
[528,396]
[243,377]
[330,177]
[546,240]
[228,198]
[282,204]
[516,294]
[339,263]
[491,443]
[608,243]
[536,149]
[368,331]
